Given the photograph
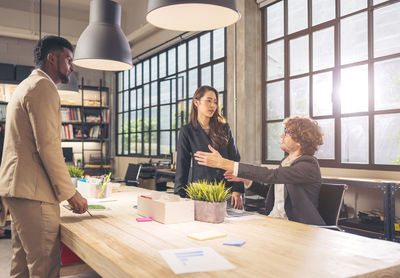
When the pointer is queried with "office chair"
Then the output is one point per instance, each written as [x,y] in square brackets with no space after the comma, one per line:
[132,174]
[330,202]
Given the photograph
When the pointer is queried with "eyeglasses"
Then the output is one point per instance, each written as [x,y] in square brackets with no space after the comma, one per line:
[286,131]
[209,102]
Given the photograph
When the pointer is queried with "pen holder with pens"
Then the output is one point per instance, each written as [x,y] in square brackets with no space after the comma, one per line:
[95,187]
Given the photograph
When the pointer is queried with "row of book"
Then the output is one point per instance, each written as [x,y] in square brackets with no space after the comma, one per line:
[73,114]
[70,114]
[70,132]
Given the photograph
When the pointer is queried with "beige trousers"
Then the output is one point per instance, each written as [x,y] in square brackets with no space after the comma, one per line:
[35,230]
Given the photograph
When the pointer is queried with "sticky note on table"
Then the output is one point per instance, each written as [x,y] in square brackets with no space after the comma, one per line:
[144,219]
[234,242]
[206,235]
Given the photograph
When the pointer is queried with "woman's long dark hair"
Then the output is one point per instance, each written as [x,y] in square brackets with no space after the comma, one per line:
[218,135]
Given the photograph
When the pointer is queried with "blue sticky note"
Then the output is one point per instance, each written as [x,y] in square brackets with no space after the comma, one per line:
[234,242]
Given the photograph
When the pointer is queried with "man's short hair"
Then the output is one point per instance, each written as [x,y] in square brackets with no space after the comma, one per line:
[306,132]
[47,45]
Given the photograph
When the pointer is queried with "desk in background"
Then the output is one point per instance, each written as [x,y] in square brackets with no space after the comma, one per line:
[115,245]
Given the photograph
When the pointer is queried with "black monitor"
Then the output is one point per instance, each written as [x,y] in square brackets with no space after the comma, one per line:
[132,174]
[68,154]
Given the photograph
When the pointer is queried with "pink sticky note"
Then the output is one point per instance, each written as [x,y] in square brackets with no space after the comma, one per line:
[144,219]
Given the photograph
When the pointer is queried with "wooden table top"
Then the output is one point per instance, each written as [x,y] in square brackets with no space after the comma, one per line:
[114,244]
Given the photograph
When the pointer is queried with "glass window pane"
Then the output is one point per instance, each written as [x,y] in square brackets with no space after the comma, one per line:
[126,123]
[126,79]
[376,2]
[120,83]
[119,144]
[173,141]
[146,71]
[133,99]
[354,89]
[181,113]
[171,61]
[193,53]
[146,95]
[387,139]
[354,38]
[173,90]
[323,49]
[181,58]
[322,11]
[146,143]
[139,122]
[205,48]
[206,76]
[139,143]
[222,105]
[273,148]
[327,149]
[139,75]
[162,65]
[126,100]
[299,96]
[173,116]
[154,118]
[218,43]
[146,119]
[165,92]
[297,15]
[347,7]
[133,121]
[139,98]
[275,60]
[132,77]
[355,140]
[193,83]
[219,76]
[181,83]
[126,144]
[322,94]
[154,94]
[386,30]
[153,143]
[164,142]
[120,123]
[120,102]
[387,84]
[299,60]
[154,68]
[275,100]
[274,21]
[133,143]
[165,117]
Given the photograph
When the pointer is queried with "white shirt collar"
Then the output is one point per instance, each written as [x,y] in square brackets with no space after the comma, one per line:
[48,77]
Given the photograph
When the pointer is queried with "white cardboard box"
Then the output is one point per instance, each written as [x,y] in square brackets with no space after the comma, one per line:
[92,190]
[166,208]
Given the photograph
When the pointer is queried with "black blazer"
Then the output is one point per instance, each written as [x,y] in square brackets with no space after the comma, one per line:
[191,140]
[302,180]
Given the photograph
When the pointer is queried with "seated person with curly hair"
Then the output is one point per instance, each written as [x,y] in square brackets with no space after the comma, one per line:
[292,190]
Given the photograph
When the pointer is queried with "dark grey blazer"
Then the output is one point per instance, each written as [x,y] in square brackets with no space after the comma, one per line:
[302,182]
[191,140]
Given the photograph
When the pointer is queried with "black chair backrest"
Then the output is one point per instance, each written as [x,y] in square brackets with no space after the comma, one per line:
[132,172]
[330,202]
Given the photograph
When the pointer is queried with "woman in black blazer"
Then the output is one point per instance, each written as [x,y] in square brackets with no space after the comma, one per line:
[206,127]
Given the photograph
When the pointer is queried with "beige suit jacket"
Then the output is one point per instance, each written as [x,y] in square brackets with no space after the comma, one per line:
[33,166]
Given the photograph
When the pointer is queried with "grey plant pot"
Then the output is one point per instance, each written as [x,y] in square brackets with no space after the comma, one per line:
[209,211]
[75,181]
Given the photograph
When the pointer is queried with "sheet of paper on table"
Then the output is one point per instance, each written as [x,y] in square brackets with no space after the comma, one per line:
[240,215]
[189,260]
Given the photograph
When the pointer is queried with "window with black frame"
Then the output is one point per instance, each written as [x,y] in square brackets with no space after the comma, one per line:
[337,61]
[154,97]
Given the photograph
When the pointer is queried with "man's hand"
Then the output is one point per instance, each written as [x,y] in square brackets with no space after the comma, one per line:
[212,159]
[78,203]
[230,177]
[236,200]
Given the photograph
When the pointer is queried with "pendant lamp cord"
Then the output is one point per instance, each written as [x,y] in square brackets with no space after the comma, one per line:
[40,19]
[59,18]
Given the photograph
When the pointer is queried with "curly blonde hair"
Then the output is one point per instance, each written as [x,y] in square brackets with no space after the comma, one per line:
[306,132]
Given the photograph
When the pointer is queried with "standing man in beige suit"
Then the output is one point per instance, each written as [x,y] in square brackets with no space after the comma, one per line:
[33,175]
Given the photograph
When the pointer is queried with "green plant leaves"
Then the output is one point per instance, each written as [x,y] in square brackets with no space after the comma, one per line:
[75,172]
[202,190]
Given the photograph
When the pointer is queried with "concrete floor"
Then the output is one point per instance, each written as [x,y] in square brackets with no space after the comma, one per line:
[5,262]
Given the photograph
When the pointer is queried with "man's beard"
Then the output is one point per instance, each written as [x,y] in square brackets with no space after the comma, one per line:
[63,77]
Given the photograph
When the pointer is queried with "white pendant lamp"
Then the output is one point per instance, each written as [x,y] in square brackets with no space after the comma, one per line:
[103,45]
[191,15]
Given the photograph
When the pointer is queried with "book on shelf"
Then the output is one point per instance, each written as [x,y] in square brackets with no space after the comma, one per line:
[70,114]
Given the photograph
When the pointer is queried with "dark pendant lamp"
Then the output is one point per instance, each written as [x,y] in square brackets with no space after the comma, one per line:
[72,85]
[191,15]
[103,45]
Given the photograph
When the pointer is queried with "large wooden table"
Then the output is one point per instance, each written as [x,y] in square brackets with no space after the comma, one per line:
[115,245]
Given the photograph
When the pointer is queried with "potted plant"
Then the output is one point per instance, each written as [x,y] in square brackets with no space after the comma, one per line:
[209,200]
[75,173]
